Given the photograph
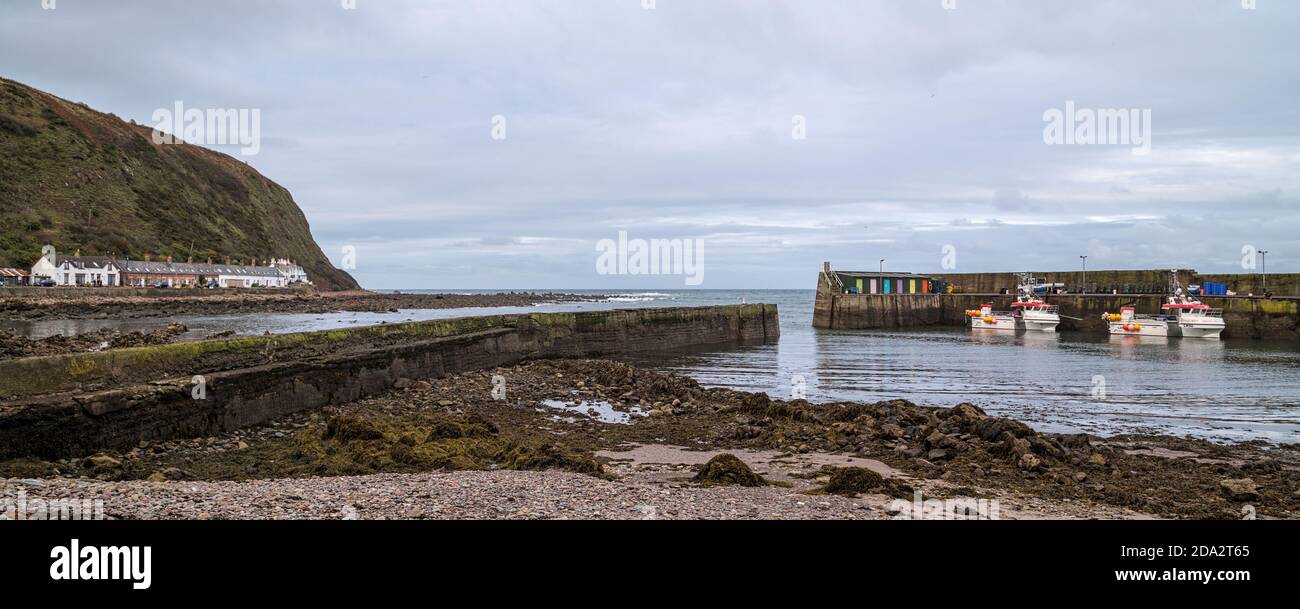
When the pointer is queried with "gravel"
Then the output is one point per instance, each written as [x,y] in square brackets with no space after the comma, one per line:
[448,495]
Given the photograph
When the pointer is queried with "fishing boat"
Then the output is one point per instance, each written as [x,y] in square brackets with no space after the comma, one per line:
[1032,313]
[1028,313]
[985,318]
[1182,316]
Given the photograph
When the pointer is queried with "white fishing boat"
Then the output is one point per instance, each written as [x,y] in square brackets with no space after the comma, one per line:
[1181,316]
[985,318]
[1128,323]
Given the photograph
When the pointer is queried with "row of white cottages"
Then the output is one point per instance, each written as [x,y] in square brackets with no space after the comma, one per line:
[106,271]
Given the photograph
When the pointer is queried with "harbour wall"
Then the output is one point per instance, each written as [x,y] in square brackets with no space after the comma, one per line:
[1282,284]
[72,405]
[1124,282]
[1257,318]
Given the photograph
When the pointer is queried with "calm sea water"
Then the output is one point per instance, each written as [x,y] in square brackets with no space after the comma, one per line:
[1224,390]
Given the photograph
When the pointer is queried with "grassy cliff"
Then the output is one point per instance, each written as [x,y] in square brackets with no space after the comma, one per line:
[85,180]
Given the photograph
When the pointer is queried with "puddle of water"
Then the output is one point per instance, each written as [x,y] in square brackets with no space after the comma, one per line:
[601,411]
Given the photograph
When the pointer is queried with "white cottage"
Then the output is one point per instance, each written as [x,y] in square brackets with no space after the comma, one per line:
[292,272]
[78,270]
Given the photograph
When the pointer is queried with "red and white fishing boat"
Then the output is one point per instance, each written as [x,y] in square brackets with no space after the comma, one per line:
[1182,316]
[1028,313]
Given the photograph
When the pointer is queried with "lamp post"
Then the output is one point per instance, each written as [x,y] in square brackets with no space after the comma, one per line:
[1084,289]
[1263,257]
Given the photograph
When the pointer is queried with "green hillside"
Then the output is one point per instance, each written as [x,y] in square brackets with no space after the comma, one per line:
[85,180]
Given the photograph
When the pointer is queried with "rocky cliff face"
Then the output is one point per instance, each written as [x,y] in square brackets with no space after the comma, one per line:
[84,180]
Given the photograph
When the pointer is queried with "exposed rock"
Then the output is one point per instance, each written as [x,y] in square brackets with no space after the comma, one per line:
[967,411]
[101,462]
[1240,489]
[1030,462]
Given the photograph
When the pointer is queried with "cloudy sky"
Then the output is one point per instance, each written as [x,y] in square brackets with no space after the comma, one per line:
[781,134]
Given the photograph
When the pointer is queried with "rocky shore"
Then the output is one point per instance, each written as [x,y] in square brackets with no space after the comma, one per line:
[12,346]
[90,304]
[602,439]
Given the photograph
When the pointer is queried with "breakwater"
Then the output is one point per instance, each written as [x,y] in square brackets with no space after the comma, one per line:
[74,404]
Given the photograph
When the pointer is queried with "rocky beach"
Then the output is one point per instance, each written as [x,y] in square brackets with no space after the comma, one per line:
[596,438]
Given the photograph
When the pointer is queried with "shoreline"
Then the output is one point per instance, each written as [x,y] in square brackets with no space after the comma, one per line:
[452,444]
[87,304]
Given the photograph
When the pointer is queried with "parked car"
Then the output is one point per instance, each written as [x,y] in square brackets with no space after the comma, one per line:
[162,285]
[46,283]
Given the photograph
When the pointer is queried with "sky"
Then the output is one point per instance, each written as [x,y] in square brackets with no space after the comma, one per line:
[475,144]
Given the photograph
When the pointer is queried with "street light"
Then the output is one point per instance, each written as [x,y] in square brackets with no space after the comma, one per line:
[1085,274]
[1263,256]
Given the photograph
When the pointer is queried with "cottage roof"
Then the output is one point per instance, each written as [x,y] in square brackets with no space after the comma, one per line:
[85,262]
[196,268]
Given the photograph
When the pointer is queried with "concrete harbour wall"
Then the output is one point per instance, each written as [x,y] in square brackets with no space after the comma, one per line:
[72,405]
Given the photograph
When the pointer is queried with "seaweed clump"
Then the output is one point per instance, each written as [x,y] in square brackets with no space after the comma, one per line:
[854,481]
[728,470]
[353,445]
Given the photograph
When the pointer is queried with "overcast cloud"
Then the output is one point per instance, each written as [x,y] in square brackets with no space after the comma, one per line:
[924,127]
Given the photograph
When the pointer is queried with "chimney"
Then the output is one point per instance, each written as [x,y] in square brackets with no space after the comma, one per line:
[227,259]
[209,259]
[190,260]
[146,256]
[78,253]
[169,259]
